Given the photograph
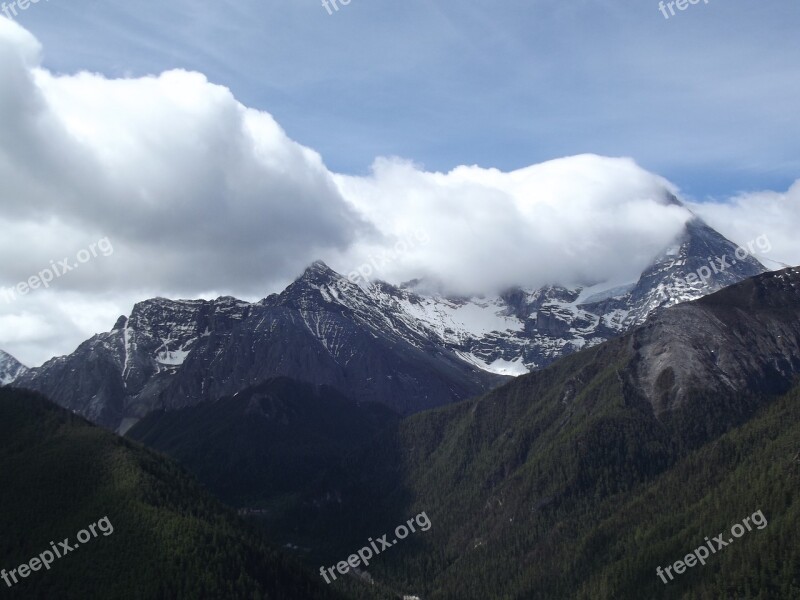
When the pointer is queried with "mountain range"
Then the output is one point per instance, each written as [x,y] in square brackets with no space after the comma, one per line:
[169,354]
[574,481]
[375,342]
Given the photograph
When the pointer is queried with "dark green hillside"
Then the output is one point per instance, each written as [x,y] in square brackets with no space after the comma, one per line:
[504,474]
[282,450]
[754,467]
[170,540]
[271,440]
[555,528]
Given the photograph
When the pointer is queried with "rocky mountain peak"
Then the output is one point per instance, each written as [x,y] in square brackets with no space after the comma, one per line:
[319,286]
[10,368]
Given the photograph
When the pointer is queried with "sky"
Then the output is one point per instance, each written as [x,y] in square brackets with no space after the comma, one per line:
[194,151]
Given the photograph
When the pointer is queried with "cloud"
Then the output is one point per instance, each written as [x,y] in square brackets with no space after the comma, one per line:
[582,219]
[202,196]
[195,190]
[749,215]
[48,323]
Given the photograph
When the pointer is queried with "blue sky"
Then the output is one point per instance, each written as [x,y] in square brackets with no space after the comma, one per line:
[707,98]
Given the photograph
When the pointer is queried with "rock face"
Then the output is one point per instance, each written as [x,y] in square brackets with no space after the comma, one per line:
[553,321]
[124,373]
[742,340]
[10,368]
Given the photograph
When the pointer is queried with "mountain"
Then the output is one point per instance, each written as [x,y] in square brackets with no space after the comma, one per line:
[525,329]
[272,439]
[281,452]
[10,368]
[123,372]
[322,329]
[156,533]
[374,342]
[579,479]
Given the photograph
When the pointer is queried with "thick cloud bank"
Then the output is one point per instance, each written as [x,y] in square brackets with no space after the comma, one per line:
[579,219]
[195,190]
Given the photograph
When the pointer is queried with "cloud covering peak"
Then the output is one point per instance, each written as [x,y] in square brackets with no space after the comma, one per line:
[576,219]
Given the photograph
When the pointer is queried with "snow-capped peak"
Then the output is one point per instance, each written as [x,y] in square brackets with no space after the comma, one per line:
[10,368]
